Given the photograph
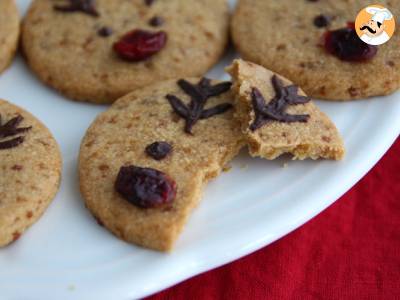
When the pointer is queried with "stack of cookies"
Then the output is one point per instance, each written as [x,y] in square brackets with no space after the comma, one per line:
[145,161]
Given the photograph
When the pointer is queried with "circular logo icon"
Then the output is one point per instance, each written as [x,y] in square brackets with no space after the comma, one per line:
[375,25]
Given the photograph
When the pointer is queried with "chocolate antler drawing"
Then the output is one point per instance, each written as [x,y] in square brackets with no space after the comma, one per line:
[84,6]
[10,129]
[275,109]
[199,94]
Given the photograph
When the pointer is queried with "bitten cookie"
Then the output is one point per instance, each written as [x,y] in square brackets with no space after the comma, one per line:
[9,32]
[30,165]
[144,162]
[303,40]
[99,51]
[278,118]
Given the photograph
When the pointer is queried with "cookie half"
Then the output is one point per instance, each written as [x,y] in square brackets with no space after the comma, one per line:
[30,164]
[99,51]
[277,117]
[289,36]
[144,162]
[9,32]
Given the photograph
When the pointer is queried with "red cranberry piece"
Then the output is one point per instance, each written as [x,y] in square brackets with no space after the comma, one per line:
[346,45]
[139,45]
[158,150]
[145,187]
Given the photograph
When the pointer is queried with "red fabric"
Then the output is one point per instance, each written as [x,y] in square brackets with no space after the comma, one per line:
[350,251]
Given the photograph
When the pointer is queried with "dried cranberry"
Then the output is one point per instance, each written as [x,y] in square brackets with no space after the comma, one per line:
[145,187]
[139,45]
[158,150]
[346,45]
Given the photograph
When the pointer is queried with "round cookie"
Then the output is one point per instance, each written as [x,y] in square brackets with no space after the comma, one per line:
[282,36]
[144,130]
[30,165]
[9,32]
[72,49]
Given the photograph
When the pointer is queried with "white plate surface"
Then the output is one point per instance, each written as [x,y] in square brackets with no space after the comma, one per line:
[66,255]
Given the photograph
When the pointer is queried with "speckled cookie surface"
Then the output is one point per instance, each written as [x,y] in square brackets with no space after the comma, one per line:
[66,51]
[119,137]
[316,137]
[281,36]
[9,32]
[30,165]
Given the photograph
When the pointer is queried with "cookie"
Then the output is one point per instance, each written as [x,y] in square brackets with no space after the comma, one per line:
[277,117]
[30,164]
[291,38]
[99,51]
[144,162]
[9,32]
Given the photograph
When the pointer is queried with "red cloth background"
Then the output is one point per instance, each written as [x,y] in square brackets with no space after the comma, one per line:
[350,251]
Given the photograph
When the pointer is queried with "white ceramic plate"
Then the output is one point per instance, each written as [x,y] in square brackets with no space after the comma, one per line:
[66,255]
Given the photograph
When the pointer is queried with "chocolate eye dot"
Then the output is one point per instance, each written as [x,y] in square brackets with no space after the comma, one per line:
[105,31]
[156,21]
[322,21]
[158,150]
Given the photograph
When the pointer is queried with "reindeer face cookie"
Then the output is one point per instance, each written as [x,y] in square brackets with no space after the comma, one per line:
[315,45]
[9,32]
[100,50]
[30,165]
[278,118]
[145,161]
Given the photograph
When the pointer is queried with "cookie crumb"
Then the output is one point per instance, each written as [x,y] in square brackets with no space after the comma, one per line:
[226,168]
[281,47]
[353,92]
[391,63]
[17,167]
[71,287]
